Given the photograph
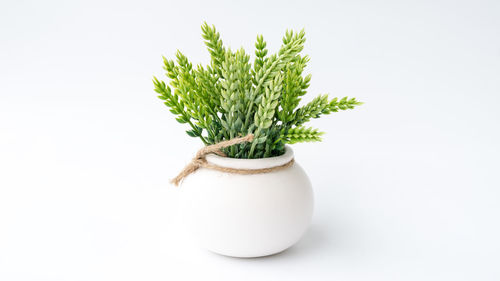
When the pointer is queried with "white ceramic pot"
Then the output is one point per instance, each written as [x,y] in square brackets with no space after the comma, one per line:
[248,215]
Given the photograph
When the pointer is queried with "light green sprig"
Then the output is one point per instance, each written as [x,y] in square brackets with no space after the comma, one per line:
[302,134]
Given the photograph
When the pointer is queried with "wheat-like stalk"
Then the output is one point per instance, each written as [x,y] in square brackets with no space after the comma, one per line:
[230,97]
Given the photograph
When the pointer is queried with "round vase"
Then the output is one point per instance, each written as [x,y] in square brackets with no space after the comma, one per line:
[247,215]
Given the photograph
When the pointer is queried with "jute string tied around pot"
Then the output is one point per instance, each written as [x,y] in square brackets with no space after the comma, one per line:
[199,161]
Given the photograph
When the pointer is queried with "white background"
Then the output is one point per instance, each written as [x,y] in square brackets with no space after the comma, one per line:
[406,186]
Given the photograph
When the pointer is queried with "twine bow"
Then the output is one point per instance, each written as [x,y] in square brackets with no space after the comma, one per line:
[199,161]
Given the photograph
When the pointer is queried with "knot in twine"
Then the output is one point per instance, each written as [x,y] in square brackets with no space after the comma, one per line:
[199,161]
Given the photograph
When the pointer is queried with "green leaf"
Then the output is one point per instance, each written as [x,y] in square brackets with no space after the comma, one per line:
[260,140]
[181,119]
[192,133]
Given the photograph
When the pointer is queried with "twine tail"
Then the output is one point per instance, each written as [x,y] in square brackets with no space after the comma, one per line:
[199,160]
[190,168]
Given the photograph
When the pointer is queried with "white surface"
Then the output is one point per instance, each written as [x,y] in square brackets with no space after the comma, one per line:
[410,190]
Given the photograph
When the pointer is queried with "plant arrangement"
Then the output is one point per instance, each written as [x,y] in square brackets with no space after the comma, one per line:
[231,97]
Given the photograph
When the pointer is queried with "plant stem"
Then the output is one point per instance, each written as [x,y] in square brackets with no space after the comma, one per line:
[233,152]
[201,137]
[254,143]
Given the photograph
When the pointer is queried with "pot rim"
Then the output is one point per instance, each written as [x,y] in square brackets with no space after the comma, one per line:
[259,163]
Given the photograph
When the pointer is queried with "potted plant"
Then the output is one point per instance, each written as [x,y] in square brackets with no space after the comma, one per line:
[243,193]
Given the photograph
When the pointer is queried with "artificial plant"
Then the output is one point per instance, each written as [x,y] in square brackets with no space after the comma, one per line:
[231,97]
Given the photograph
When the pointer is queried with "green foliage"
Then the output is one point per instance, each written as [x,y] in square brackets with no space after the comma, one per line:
[231,97]
[302,134]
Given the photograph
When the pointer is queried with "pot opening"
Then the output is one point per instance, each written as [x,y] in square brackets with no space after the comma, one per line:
[259,163]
